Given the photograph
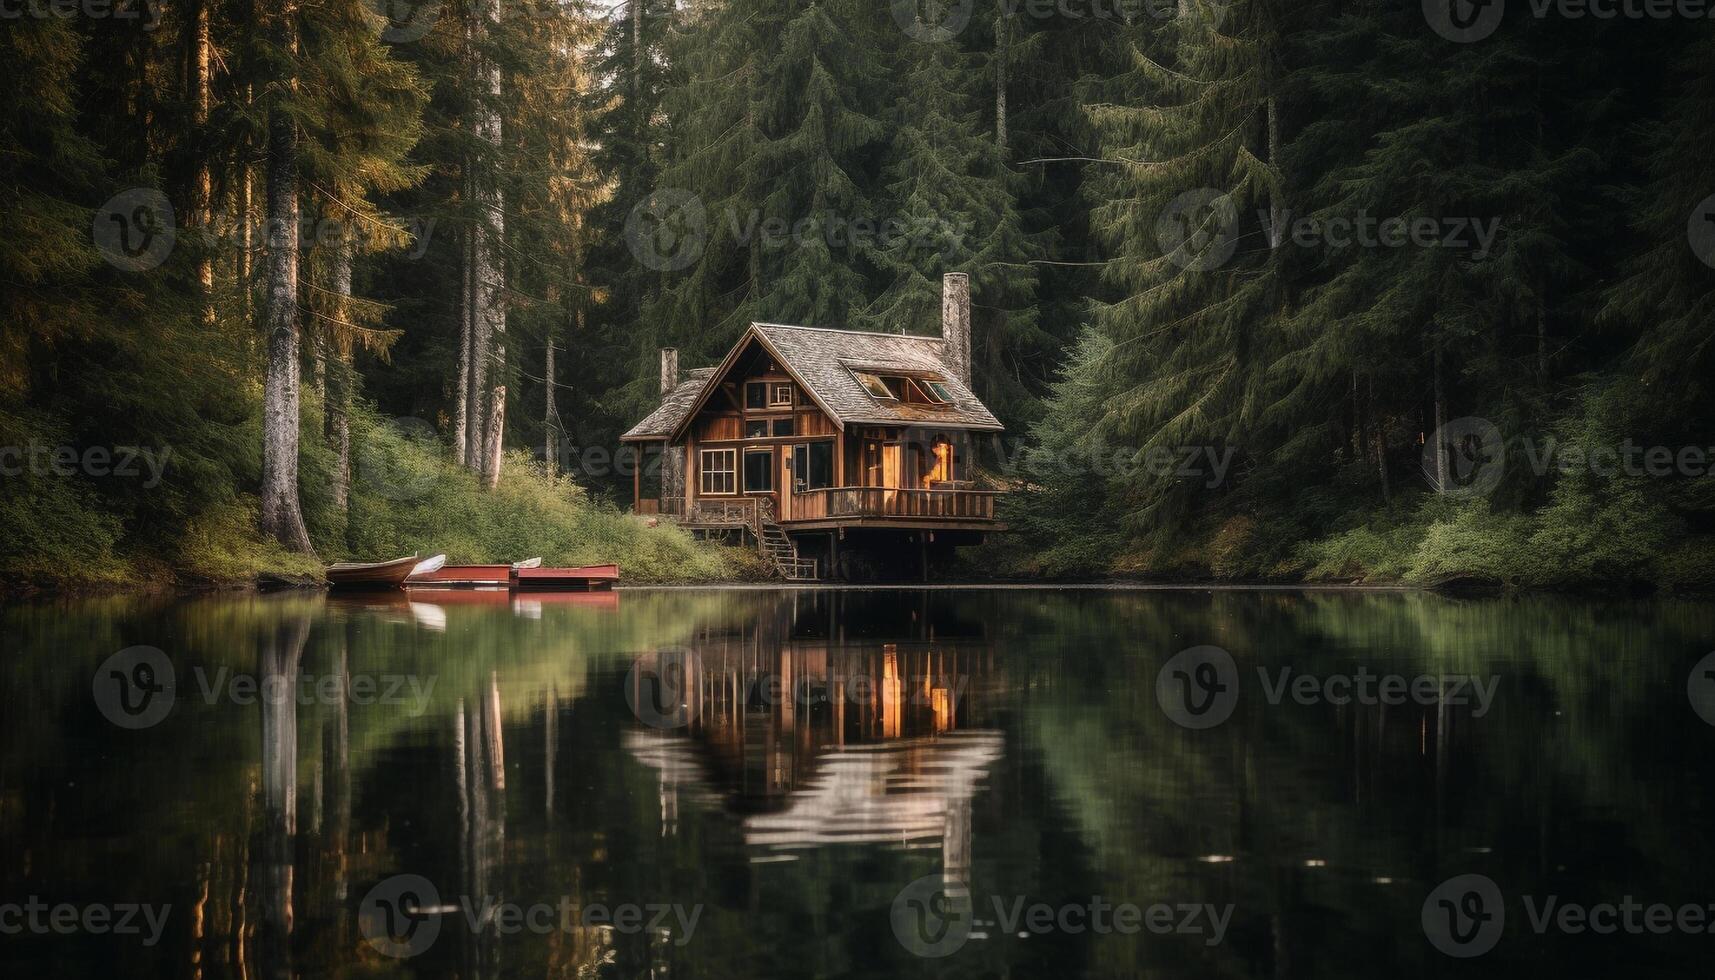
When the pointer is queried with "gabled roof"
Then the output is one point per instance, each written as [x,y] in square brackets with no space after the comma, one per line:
[822,360]
[675,408]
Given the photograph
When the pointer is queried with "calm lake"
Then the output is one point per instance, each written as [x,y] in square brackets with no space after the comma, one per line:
[1025,783]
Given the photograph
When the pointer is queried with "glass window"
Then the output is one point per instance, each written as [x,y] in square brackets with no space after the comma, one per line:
[758,471]
[873,384]
[938,390]
[821,465]
[780,393]
[783,427]
[813,465]
[756,429]
[717,473]
[756,394]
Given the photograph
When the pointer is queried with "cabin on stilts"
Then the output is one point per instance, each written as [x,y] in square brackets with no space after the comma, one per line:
[841,454]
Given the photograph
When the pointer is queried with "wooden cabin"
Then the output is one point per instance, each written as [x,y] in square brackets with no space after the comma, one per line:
[841,453]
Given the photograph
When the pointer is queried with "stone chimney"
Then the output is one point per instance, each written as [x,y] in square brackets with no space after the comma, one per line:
[956,323]
[669,369]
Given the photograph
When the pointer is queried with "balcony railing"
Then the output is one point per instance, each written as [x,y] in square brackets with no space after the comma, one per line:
[835,503]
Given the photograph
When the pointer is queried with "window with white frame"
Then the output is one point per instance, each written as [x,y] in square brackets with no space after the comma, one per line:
[718,472]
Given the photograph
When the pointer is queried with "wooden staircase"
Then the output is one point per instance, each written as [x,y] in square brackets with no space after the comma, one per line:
[776,545]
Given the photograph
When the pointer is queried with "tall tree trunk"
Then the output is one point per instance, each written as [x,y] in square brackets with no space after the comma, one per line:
[1381,435]
[341,380]
[491,453]
[488,268]
[1275,231]
[1002,53]
[548,440]
[1442,475]
[461,405]
[205,182]
[282,519]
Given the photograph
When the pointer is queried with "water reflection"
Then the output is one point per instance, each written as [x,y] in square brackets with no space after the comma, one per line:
[835,747]
[813,739]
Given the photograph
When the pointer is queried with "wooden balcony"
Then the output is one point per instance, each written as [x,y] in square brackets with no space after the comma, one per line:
[835,507]
[890,506]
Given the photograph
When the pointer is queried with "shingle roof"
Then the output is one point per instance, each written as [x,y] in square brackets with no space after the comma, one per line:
[823,360]
[673,408]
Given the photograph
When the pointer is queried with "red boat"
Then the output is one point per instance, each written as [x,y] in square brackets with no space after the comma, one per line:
[586,578]
[370,574]
[464,577]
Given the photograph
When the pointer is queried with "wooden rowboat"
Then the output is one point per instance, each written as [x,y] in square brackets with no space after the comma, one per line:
[587,578]
[370,574]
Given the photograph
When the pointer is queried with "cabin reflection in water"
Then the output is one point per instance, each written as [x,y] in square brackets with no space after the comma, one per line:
[813,736]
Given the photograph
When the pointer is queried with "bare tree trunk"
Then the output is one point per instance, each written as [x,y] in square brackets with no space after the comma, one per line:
[548,457]
[492,449]
[1381,438]
[1002,53]
[282,518]
[341,381]
[205,181]
[488,267]
[1275,231]
[1442,475]
[1541,347]
[461,407]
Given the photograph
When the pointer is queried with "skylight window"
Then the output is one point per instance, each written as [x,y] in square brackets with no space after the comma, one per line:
[873,384]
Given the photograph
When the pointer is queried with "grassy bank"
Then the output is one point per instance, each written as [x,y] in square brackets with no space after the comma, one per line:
[1579,542]
[197,527]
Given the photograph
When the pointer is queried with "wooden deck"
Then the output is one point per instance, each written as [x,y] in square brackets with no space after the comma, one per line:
[838,507]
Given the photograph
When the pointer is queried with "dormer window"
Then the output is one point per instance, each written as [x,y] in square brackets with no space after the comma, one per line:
[877,387]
